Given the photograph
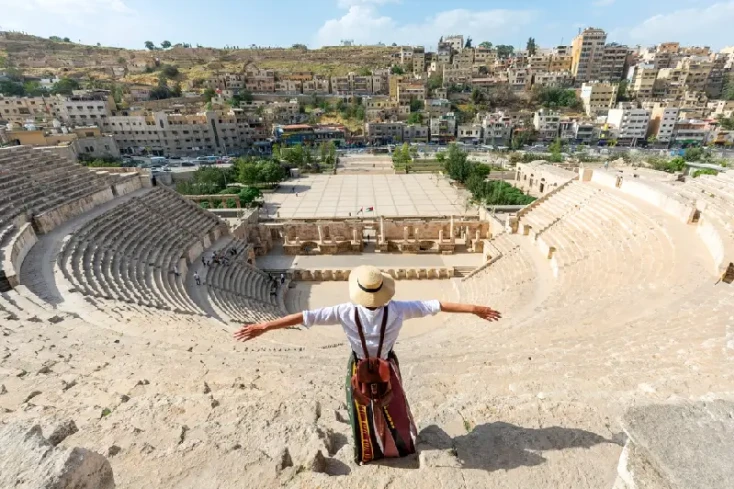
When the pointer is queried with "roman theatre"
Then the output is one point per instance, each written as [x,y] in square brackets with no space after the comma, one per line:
[611,368]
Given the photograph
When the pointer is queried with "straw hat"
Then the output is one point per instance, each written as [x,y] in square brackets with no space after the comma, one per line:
[369,287]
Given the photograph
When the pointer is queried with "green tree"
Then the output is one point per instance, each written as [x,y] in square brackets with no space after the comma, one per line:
[11,88]
[416,105]
[169,71]
[477,96]
[149,45]
[726,123]
[65,86]
[435,81]
[694,154]
[66,39]
[249,195]
[166,44]
[622,91]
[531,47]
[397,70]
[415,118]
[504,51]
[467,45]
[456,164]
[485,45]
[365,72]
[728,90]
[34,89]
[209,94]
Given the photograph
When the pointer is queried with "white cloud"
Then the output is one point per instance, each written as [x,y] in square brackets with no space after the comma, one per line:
[709,26]
[603,3]
[90,21]
[365,25]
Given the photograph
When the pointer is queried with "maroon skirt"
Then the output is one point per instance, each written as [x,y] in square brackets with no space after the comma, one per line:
[381,432]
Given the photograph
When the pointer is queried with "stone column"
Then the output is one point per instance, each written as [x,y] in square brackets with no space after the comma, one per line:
[440,236]
[417,239]
[285,238]
[382,230]
[477,235]
[321,233]
[405,234]
[451,229]
[354,235]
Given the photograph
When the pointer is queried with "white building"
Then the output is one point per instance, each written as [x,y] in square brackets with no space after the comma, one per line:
[629,124]
[662,123]
[598,97]
[547,124]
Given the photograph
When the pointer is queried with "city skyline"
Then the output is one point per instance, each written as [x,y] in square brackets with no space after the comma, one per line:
[405,22]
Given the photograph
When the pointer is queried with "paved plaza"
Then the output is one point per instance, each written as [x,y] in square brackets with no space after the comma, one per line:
[394,195]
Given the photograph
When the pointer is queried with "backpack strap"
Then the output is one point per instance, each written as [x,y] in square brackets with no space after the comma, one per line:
[361,332]
[382,331]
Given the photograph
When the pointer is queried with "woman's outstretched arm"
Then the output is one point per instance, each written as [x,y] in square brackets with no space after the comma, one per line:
[481,311]
[250,331]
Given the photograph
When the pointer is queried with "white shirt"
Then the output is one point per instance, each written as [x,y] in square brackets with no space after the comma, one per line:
[398,311]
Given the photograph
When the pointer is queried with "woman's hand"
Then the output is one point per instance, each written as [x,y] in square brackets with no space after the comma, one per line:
[487,313]
[250,331]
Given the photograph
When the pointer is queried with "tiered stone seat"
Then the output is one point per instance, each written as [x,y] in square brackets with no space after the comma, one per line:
[507,282]
[240,291]
[574,196]
[35,180]
[128,253]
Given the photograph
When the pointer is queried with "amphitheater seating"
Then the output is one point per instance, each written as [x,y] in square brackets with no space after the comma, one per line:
[240,291]
[555,207]
[129,253]
[33,181]
[507,282]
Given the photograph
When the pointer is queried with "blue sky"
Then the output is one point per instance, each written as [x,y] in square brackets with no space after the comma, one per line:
[129,23]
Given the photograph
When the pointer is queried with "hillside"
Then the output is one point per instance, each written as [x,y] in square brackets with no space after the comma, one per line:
[37,56]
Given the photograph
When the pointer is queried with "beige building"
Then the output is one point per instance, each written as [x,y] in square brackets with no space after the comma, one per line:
[612,62]
[408,91]
[547,124]
[259,81]
[317,86]
[226,81]
[662,123]
[384,132]
[20,110]
[456,41]
[587,51]
[598,97]
[643,80]
[290,87]
[629,124]
[161,133]
[379,109]
[86,107]
[456,75]
[415,133]
[469,132]
[553,78]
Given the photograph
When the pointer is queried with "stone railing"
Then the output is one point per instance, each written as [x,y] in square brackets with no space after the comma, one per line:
[329,274]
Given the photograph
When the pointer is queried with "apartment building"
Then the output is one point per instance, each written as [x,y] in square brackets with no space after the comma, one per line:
[587,51]
[380,109]
[484,56]
[642,82]
[259,81]
[384,132]
[171,134]
[456,75]
[415,133]
[598,97]
[613,61]
[288,87]
[437,107]
[539,62]
[226,81]
[662,123]
[464,59]
[547,124]
[455,41]
[469,133]
[694,73]
[519,79]
[497,129]
[444,54]
[443,128]
[410,90]
[19,110]
[628,125]
[419,60]
[691,132]
[406,55]
[560,79]
[319,85]
[86,107]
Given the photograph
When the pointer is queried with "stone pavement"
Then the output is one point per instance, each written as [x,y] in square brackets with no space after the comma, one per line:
[382,260]
[329,196]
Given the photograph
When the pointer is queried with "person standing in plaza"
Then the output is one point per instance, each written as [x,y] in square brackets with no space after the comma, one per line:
[380,417]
